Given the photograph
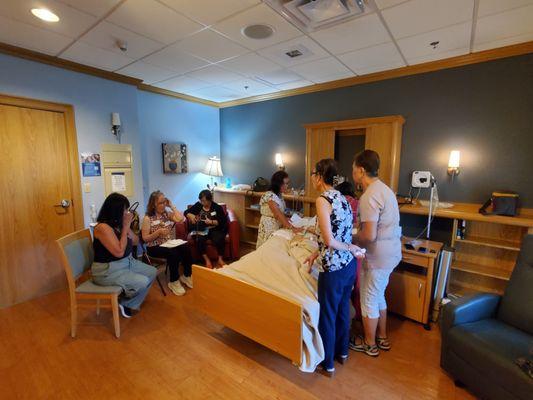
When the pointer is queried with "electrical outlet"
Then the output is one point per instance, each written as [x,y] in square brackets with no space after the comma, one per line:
[421,179]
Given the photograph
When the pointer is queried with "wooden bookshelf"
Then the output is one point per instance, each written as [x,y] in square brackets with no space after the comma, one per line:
[484,260]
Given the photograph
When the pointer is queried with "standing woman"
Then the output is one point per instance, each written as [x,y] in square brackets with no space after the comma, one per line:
[380,234]
[336,264]
[157,229]
[113,263]
[273,208]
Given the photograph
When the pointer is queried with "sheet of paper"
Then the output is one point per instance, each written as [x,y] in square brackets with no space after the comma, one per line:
[299,222]
[173,243]
[118,182]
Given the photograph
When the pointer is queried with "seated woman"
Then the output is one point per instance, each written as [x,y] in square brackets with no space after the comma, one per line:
[113,264]
[157,229]
[273,208]
[348,191]
[209,217]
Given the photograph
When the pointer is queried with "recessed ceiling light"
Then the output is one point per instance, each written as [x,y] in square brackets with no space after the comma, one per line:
[258,31]
[44,14]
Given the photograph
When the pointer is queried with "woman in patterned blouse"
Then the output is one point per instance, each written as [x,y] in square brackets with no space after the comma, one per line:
[273,208]
[336,262]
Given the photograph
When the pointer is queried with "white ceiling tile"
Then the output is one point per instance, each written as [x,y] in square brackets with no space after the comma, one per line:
[504,42]
[356,34]
[449,38]
[153,20]
[438,56]
[209,11]
[261,14]
[85,54]
[388,3]
[419,16]
[250,64]
[216,93]
[105,36]
[309,49]
[147,72]
[323,70]
[72,22]
[488,7]
[214,75]
[279,77]
[27,36]
[294,85]
[182,84]
[249,87]
[516,22]
[98,8]
[210,46]
[372,59]
[172,58]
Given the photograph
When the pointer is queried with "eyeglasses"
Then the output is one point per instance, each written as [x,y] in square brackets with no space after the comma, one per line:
[133,207]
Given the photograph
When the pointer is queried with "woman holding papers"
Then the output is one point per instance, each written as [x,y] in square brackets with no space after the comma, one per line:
[208,220]
[272,207]
[157,228]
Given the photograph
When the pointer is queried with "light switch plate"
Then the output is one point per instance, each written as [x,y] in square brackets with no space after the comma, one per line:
[87,187]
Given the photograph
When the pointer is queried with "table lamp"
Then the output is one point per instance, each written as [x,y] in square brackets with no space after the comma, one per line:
[213,169]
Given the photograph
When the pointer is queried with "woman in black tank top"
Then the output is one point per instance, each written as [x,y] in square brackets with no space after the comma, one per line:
[113,264]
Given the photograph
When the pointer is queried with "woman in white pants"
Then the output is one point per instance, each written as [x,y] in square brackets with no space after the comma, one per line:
[380,234]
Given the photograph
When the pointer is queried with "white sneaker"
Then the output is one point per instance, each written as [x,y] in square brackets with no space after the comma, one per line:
[176,288]
[186,280]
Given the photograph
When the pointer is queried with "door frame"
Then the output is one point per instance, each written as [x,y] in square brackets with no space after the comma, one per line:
[72,146]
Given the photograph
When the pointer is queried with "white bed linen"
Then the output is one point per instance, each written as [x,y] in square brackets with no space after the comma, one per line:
[278,267]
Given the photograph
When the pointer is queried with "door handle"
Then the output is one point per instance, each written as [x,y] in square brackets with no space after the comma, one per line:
[64,204]
[419,289]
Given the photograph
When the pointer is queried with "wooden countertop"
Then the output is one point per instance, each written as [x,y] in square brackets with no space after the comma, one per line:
[469,212]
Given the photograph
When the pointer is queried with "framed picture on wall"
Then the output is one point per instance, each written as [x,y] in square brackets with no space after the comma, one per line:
[174,158]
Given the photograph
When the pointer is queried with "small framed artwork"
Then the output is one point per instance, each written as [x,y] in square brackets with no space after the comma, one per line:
[174,158]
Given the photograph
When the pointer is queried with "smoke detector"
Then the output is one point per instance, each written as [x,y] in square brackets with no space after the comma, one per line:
[258,31]
[311,15]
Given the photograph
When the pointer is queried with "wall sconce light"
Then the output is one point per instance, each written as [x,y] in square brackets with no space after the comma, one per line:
[115,125]
[279,161]
[453,163]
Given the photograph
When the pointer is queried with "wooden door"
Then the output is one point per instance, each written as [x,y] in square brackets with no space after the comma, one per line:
[320,144]
[38,169]
[406,295]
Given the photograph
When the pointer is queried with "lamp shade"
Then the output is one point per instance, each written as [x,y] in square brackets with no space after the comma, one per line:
[278,159]
[455,157]
[213,167]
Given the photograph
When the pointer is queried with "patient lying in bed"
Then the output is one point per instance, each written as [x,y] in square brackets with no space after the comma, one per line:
[278,266]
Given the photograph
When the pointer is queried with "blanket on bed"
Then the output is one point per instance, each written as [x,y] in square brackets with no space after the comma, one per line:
[277,266]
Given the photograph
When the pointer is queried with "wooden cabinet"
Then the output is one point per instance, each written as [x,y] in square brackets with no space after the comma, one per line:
[485,258]
[406,294]
[409,292]
[382,134]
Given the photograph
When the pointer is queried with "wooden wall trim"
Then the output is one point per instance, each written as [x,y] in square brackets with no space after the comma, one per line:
[356,123]
[66,64]
[165,92]
[467,59]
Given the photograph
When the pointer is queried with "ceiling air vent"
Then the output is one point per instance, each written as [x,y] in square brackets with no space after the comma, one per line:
[311,15]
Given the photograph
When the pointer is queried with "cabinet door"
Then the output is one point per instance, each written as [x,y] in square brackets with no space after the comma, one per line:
[320,143]
[406,294]
[385,139]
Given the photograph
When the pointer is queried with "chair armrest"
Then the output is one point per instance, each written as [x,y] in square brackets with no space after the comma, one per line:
[468,309]
[182,230]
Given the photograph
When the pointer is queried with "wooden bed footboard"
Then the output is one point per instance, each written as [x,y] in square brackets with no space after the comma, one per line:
[265,317]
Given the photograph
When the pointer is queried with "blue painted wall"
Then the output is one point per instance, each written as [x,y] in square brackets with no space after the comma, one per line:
[158,117]
[484,110]
[164,119]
